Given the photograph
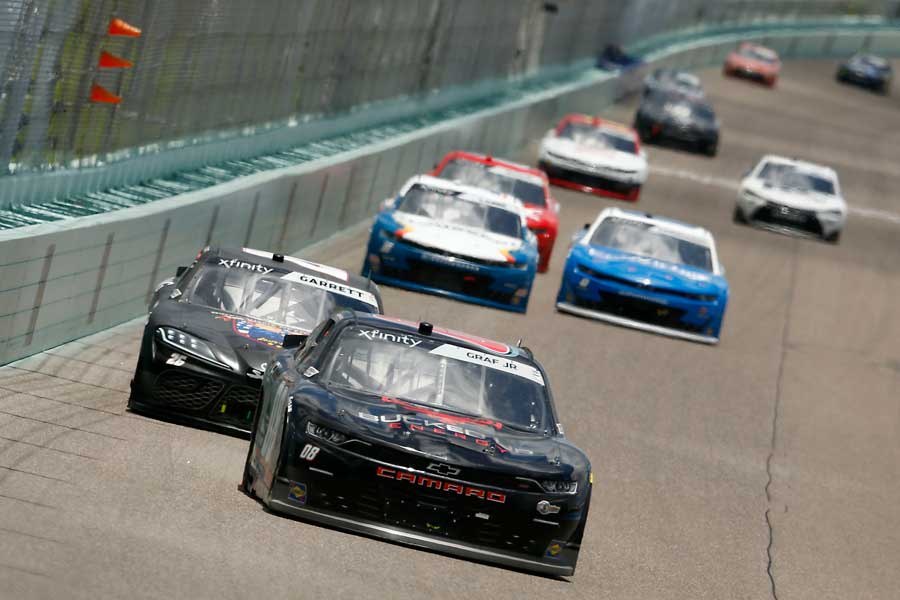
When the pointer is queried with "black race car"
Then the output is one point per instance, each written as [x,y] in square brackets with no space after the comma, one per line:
[673,117]
[868,71]
[212,329]
[421,436]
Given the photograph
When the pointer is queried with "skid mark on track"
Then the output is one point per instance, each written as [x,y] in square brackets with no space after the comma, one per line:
[39,446]
[104,435]
[734,186]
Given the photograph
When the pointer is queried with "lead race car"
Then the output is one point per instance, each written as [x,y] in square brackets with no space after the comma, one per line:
[421,436]
[646,272]
[792,196]
[454,240]
[593,155]
[212,329]
[752,61]
[528,184]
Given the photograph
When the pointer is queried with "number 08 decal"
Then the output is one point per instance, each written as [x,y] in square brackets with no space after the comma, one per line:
[309,452]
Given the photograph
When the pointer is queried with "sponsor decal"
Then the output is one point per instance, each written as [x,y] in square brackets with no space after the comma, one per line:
[307,264]
[265,333]
[553,550]
[497,363]
[489,345]
[331,286]
[545,508]
[234,263]
[650,262]
[433,483]
[443,418]
[297,493]
[398,338]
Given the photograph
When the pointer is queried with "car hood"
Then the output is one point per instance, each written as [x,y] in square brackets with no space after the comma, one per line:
[795,199]
[463,241]
[595,156]
[750,63]
[457,440]
[250,342]
[649,272]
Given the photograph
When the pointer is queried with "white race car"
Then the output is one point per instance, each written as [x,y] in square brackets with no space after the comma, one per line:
[790,195]
[594,155]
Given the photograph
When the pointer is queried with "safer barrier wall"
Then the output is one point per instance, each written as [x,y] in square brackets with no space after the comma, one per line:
[61,282]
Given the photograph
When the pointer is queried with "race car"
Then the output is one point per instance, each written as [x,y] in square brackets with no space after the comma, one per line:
[867,70]
[752,61]
[594,155]
[454,240]
[528,184]
[792,196]
[673,80]
[213,328]
[421,436]
[647,272]
[670,116]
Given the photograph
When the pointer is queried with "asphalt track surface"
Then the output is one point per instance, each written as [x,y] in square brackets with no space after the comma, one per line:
[770,460]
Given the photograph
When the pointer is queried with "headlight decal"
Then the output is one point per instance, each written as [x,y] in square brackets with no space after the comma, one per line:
[194,347]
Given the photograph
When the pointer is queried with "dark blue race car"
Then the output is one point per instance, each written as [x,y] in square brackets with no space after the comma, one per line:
[867,71]
[646,272]
[454,240]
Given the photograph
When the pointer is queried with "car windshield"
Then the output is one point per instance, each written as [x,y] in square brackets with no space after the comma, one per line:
[497,179]
[873,61]
[788,177]
[395,366]
[453,208]
[651,241]
[289,299]
[592,136]
[757,54]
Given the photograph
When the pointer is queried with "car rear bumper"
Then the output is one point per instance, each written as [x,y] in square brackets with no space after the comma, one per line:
[592,183]
[635,324]
[279,502]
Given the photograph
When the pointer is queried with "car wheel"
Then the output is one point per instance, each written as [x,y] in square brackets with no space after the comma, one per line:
[833,238]
[738,216]
[711,148]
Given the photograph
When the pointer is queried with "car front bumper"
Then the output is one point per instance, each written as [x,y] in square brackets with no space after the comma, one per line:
[785,219]
[622,185]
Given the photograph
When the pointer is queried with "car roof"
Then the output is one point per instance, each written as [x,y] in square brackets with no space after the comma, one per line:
[763,50]
[439,333]
[680,229]
[290,263]
[487,159]
[803,165]
[602,124]
[471,193]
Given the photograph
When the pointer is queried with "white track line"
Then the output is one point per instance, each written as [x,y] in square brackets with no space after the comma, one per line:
[731,185]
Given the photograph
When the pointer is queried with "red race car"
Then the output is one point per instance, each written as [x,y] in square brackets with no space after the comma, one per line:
[594,155]
[528,184]
[752,61]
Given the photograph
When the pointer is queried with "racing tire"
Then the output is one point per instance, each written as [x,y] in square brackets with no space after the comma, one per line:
[833,238]
[738,216]
[711,149]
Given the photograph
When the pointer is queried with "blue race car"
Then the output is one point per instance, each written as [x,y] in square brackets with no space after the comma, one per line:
[646,272]
[867,70]
[454,240]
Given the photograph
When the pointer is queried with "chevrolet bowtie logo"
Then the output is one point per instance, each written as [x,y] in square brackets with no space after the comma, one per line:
[442,469]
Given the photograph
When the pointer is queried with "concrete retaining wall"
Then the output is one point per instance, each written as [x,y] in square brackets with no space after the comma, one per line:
[61,282]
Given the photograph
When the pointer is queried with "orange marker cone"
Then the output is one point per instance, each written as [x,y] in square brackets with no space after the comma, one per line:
[104,96]
[120,27]
[111,61]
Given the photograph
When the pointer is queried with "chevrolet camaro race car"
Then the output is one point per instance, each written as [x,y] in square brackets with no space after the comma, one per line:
[593,155]
[450,239]
[421,436]
[646,272]
[670,116]
[673,80]
[792,196]
[752,61]
[212,329]
[528,184]
[867,70]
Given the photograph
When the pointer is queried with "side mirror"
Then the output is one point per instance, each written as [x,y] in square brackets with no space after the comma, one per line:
[294,340]
[180,271]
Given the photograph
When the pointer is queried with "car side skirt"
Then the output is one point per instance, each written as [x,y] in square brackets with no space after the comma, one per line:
[624,322]
[419,540]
